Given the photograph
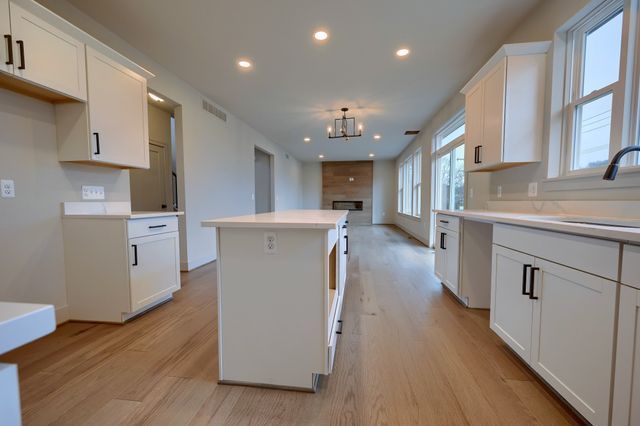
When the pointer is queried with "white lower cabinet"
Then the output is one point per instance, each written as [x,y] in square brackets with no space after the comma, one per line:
[447,261]
[558,319]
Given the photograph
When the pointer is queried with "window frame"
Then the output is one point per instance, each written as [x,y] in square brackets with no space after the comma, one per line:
[573,84]
[410,179]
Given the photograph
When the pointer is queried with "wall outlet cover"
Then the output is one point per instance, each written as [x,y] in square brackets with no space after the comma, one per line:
[499,191]
[92,192]
[533,189]
[7,188]
[270,243]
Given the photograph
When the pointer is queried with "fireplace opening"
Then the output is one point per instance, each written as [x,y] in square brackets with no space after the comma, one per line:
[354,206]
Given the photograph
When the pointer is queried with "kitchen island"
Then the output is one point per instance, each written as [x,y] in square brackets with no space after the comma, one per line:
[281,279]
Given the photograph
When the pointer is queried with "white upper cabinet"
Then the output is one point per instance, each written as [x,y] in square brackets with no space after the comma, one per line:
[117,112]
[45,55]
[504,108]
[6,53]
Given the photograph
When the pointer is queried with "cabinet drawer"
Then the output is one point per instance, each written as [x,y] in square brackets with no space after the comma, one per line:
[452,223]
[151,226]
[631,266]
[597,257]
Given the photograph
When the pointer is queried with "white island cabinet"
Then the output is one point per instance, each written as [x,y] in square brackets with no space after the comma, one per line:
[281,283]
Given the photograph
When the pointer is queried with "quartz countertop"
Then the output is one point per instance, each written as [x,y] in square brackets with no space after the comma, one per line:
[123,215]
[21,323]
[626,230]
[305,219]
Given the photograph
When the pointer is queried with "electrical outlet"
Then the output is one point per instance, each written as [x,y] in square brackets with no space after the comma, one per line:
[533,189]
[499,191]
[270,243]
[92,192]
[8,188]
[471,192]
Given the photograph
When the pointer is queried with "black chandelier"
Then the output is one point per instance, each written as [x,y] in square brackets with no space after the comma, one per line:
[346,126]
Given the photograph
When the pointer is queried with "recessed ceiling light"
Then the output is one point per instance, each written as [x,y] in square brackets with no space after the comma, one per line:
[243,63]
[402,52]
[321,35]
[321,156]
[307,140]
[372,154]
[155,97]
[377,137]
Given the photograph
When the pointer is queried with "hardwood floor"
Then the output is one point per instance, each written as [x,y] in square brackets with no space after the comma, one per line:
[409,354]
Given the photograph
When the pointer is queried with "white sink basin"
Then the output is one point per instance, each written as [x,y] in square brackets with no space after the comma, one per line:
[21,323]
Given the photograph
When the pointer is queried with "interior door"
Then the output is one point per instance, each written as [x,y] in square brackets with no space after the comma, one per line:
[148,186]
[117,112]
[473,126]
[47,56]
[493,110]
[452,249]
[511,312]
[155,269]
[573,336]
[5,33]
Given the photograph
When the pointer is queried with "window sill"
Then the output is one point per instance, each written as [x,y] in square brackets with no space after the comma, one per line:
[627,178]
[408,216]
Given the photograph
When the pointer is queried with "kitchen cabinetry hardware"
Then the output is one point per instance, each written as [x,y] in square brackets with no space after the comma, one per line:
[157,226]
[135,255]
[22,65]
[524,279]
[97,151]
[346,240]
[9,61]
[532,278]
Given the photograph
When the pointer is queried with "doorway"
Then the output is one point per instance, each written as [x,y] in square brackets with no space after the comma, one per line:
[264,199]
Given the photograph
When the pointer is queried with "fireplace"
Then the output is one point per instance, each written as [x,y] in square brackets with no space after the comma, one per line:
[353,206]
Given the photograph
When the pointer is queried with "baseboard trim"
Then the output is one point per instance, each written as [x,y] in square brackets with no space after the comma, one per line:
[193,264]
[412,234]
[62,314]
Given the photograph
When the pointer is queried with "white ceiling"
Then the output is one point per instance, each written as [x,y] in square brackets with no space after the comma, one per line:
[296,85]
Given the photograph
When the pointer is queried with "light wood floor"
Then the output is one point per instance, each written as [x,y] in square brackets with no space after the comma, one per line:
[409,354]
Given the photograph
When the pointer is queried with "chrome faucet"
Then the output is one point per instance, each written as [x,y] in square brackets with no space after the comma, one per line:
[612,170]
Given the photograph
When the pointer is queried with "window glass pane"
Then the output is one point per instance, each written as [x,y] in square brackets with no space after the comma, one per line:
[444,182]
[449,137]
[602,55]
[592,133]
[457,176]
[408,175]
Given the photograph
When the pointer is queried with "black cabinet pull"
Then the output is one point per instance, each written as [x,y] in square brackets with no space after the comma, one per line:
[22,65]
[135,255]
[479,152]
[344,226]
[532,277]
[442,239]
[524,279]
[97,135]
[9,49]
[346,240]
[475,155]
[157,226]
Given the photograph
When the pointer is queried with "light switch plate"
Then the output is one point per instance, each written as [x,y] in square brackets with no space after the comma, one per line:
[270,243]
[499,191]
[8,188]
[92,192]
[533,189]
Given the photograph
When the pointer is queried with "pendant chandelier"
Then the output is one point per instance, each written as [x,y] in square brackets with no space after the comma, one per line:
[345,127]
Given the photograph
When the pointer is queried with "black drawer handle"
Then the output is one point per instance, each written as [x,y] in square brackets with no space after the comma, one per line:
[444,221]
[346,240]
[344,226]
[9,49]
[97,135]
[22,65]
[339,331]
[524,279]
[532,277]
[442,239]
[135,255]
[157,226]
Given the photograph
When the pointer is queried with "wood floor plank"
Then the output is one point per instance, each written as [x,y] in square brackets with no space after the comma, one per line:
[409,354]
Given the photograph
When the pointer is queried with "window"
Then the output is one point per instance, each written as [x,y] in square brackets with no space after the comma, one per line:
[449,165]
[594,89]
[409,185]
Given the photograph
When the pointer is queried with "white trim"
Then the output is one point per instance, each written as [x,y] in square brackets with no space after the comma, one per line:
[190,265]
[62,314]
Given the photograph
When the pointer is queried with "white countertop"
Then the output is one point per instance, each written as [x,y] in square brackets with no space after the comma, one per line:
[122,215]
[21,323]
[554,223]
[306,219]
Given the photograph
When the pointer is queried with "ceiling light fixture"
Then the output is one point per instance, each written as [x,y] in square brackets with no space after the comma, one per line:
[155,97]
[377,137]
[347,126]
[307,140]
[321,35]
[243,63]
[402,52]
[372,154]
[321,156]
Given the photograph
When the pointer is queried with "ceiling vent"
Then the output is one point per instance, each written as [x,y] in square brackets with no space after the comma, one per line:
[214,110]
[411,132]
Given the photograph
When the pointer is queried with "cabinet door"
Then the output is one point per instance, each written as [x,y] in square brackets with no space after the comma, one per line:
[452,264]
[473,127]
[117,112]
[573,336]
[155,268]
[440,258]
[511,312]
[5,33]
[493,110]
[626,392]
[44,55]
[343,246]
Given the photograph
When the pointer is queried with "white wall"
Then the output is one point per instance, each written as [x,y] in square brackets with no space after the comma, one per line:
[218,173]
[384,193]
[32,260]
